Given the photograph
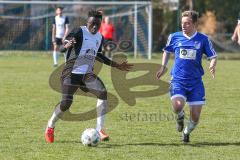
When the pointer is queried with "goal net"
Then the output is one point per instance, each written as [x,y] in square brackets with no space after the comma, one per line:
[27,25]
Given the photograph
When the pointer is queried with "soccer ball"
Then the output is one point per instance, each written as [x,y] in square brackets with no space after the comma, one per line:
[90,137]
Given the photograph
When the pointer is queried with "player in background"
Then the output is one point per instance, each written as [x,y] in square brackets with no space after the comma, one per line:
[186,83]
[107,30]
[60,29]
[84,45]
[236,34]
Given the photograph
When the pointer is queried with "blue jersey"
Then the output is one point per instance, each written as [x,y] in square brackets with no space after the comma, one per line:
[188,54]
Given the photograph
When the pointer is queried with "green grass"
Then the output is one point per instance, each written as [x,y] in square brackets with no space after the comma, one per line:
[27,101]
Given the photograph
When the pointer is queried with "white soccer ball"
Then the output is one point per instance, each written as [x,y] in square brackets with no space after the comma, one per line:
[90,137]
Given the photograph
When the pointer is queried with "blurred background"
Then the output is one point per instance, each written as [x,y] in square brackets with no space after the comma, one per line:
[26,25]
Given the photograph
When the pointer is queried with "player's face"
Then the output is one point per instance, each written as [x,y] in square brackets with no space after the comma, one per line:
[93,24]
[106,19]
[59,11]
[188,27]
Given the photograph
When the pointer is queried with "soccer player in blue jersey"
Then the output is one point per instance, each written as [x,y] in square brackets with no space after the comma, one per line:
[186,83]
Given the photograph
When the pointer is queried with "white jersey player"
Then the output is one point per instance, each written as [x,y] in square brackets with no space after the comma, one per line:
[59,32]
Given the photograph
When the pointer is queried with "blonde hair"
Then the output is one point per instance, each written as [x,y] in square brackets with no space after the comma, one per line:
[191,14]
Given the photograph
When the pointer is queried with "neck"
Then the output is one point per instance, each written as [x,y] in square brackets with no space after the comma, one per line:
[191,33]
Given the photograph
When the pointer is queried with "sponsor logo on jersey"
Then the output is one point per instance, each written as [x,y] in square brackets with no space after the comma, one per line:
[184,52]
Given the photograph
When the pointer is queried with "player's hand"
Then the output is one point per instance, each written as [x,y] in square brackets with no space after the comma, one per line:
[160,72]
[63,39]
[234,38]
[212,70]
[53,41]
[124,66]
[70,43]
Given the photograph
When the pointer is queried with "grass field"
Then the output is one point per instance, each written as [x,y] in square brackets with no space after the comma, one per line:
[27,101]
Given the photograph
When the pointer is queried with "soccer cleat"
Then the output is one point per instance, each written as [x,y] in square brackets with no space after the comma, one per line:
[180,124]
[185,138]
[103,135]
[49,135]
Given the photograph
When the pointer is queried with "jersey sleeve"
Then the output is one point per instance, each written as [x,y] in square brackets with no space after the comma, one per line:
[66,21]
[53,21]
[103,59]
[101,45]
[209,50]
[75,33]
[169,46]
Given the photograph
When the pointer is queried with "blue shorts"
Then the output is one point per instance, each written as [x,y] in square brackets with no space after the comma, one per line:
[193,93]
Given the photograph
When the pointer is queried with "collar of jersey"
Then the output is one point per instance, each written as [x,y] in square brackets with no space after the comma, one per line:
[85,27]
[191,36]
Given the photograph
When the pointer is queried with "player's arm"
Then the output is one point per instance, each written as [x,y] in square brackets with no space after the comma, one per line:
[235,34]
[53,30]
[161,71]
[211,55]
[165,57]
[53,33]
[71,39]
[124,66]
[212,66]
[66,28]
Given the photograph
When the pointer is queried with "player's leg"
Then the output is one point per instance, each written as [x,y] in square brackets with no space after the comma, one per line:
[64,53]
[178,99]
[195,99]
[66,102]
[178,105]
[56,45]
[68,89]
[195,111]
[95,86]
[55,55]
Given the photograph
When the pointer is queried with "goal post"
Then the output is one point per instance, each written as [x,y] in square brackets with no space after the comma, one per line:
[30,22]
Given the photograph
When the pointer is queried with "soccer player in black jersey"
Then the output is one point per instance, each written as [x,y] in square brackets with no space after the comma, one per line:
[83,45]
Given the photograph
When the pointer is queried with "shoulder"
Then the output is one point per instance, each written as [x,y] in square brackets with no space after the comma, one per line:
[83,28]
[66,18]
[99,35]
[77,30]
[54,18]
[175,34]
[202,36]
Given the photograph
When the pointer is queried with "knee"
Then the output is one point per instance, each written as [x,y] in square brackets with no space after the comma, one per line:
[102,95]
[178,104]
[66,103]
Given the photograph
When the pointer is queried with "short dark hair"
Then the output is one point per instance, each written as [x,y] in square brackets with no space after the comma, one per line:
[59,7]
[95,13]
[191,14]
